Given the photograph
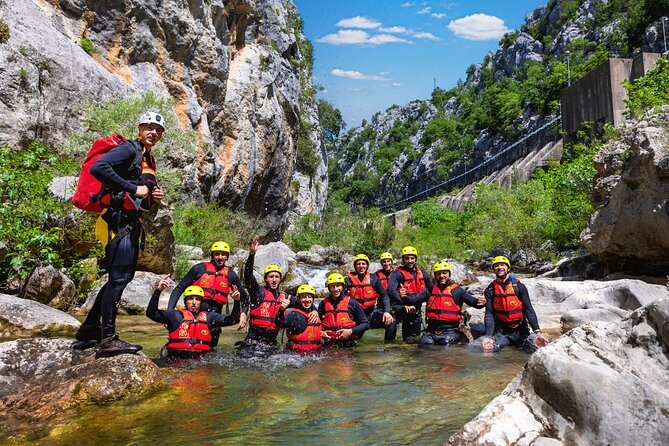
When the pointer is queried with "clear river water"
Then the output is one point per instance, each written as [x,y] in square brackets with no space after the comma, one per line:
[392,394]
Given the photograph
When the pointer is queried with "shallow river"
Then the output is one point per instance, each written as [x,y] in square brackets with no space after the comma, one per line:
[375,394]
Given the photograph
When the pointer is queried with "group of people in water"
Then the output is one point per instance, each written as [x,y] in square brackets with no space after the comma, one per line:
[355,302]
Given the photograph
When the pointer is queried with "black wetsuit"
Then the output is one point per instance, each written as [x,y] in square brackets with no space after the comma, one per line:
[356,314]
[238,306]
[117,170]
[443,332]
[411,322]
[173,318]
[382,305]
[511,334]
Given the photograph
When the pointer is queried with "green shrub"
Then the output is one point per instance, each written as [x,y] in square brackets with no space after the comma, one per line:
[649,91]
[88,46]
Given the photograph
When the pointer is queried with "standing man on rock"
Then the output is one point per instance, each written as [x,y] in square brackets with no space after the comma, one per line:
[220,284]
[343,318]
[367,289]
[444,307]
[408,279]
[386,270]
[119,171]
[508,312]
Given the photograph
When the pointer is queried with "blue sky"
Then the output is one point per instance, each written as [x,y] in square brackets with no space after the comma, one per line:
[371,54]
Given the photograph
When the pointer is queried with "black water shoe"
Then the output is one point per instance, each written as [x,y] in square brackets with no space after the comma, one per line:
[113,346]
[83,345]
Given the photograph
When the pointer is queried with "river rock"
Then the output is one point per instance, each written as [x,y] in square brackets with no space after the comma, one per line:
[190,252]
[311,257]
[63,187]
[46,284]
[277,253]
[629,229]
[136,295]
[601,383]
[41,378]
[25,317]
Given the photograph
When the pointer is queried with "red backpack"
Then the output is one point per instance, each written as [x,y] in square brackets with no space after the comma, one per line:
[91,195]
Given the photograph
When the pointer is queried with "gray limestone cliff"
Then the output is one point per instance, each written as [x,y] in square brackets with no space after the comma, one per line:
[235,70]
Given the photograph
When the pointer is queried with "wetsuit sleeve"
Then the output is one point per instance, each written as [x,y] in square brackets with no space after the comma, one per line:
[193,274]
[233,279]
[117,160]
[394,282]
[489,315]
[294,323]
[464,296]
[382,302]
[218,320]
[347,285]
[252,285]
[358,314]
[528,310]
[152,311]
[321,309]
[419,298]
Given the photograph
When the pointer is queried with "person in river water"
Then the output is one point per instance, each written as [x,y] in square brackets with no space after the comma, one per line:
[121,170]
[444,307]
[303,336]
[219,283]
[268,305]
[190,329]
[509,311]
[368,290]
[408,279]
[343,318]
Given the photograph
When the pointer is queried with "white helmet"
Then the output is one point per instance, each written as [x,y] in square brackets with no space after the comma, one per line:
[152,118]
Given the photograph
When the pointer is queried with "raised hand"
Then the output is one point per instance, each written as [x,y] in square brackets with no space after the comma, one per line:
[253,248]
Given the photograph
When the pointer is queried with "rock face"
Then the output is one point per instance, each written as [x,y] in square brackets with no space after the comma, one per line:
[40,378]
[235,70]
[633,181]
[602,383]
[24,317]
[136,295]
[159,253]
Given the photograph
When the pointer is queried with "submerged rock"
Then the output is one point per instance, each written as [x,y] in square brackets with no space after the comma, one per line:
[25,317]
[40,378]
[602,383]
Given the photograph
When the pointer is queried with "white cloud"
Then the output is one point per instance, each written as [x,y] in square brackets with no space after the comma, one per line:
[395,30]
[381,39]
[384,73]
[356,75]
[428,36]
[425,10]
[478,27]
[345,37]
[407,4]
[396,84]
[358,22]
[438,15]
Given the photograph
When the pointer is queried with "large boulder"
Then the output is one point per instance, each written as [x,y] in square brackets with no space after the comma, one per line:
[41,378]
[602,383]
[136,295]
[629,229]
[276,252]
[48,285]
[25,317]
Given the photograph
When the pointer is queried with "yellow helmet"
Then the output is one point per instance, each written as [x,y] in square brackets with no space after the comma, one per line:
[334,278]
[361,257]
[306,289]
[441,266]
[409,250]
[194,290]
[501,259]
[386,255]
[273,268]
[220,246]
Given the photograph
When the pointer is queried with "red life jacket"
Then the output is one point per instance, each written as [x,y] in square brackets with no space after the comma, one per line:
[265,315]
[91,195]
[336,318]
[192,335]
[441,306]
[413,285]
[362,291]
[214,283]
[506,305]
[383,277]
[309,339]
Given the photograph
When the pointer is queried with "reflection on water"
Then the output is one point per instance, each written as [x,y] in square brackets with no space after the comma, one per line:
[375,394]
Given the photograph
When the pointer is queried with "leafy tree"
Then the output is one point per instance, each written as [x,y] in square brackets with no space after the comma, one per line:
[649,91]
[331,120]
